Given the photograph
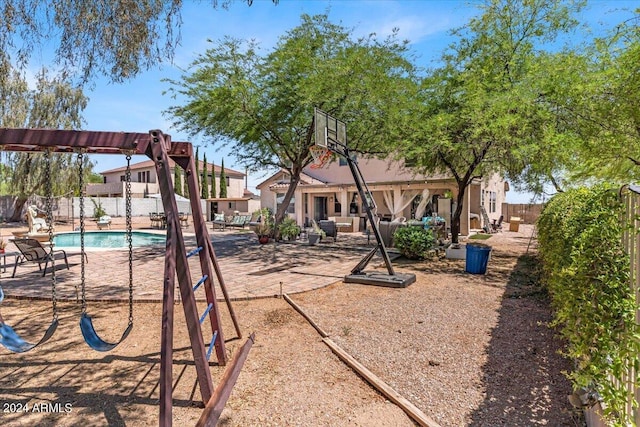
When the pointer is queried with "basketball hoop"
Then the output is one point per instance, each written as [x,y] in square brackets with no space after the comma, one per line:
[321,156]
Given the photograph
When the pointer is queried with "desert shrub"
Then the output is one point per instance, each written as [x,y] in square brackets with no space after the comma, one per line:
[288,228]
[586,271]
[98,210]
[413,242]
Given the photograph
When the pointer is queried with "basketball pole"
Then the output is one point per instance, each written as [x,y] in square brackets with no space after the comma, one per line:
[326,127]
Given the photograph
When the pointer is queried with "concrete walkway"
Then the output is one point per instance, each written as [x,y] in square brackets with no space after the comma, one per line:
[249,269]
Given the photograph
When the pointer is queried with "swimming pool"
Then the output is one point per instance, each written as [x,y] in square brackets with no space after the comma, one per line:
[108,239]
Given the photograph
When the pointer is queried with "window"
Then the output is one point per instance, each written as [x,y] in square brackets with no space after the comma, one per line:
[292,205]
[122,178]
[492,201]
[228,182]
[144,176]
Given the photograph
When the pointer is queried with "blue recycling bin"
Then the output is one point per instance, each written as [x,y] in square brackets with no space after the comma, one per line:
[477,258]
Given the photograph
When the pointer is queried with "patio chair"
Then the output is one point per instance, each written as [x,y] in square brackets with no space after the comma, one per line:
[184,219]
[104,222]
[157,219]
[329,228]
[497,226]
[31,250]
[219,221]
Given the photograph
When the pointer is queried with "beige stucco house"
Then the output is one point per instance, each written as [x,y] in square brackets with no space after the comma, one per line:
[144,182]
[397,191]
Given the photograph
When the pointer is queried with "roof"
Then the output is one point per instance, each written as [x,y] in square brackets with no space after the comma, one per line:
[375,171]
[146,164]
[305,179]
[228,199]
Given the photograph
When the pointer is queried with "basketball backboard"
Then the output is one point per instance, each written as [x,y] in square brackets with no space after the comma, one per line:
[329,131]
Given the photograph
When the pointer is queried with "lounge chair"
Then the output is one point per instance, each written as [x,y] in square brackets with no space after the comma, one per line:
[239,221]
[104,222]
[219,221]
[31,250]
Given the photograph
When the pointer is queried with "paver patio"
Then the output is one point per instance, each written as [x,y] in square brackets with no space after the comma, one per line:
[249,270]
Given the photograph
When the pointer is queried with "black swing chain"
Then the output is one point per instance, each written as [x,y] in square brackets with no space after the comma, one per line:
[82,249]
[49,213]
[129,239]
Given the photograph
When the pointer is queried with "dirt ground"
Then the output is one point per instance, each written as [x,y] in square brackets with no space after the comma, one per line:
[468,350]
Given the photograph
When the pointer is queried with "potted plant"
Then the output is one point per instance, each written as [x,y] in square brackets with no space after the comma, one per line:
[288,229]
[264,232]
[314,237]
[264,227]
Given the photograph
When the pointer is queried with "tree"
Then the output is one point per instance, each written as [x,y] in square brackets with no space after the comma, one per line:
[262,106]
[115,39]
[185,186]
[223,181]
[605,108]
[204,186]
[213,181]
[52,104]
[556,86]
[177,180]
[478,109]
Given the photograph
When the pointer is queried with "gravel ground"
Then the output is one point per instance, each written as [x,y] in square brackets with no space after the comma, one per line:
[468,350]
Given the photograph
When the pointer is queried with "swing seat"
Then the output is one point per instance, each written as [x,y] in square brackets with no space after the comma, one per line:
[91,336]
[14,343]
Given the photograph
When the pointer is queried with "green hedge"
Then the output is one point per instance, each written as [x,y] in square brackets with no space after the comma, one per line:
[413,242]
[586,271]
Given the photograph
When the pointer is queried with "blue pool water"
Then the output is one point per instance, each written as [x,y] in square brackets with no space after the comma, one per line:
[108,239]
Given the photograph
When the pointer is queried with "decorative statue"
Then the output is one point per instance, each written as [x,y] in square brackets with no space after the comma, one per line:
[36,224]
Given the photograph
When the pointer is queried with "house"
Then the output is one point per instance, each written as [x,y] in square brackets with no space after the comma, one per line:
[397,191]
[144,182]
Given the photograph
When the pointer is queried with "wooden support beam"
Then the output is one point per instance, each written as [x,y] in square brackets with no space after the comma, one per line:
[180,153]
[297,308]
[166,339]
[223,286]
[175,240]
[63,140]
[215,405]
[187,162]
[409,408]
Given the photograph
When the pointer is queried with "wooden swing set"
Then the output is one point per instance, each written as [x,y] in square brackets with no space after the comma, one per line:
[159,148]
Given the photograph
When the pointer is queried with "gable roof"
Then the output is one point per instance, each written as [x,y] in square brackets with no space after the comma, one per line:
[146,164]
[374,171]
[280,180]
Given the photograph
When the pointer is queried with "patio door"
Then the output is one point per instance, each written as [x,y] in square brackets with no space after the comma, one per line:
[319,208]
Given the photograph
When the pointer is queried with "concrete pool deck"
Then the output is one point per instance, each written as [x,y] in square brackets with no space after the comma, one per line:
[249,270]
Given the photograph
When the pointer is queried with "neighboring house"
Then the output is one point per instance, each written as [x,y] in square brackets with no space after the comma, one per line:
[396,189]
[144,182]
[248,203]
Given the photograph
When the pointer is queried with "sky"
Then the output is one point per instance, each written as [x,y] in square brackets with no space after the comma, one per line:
[138,105]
